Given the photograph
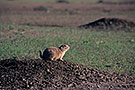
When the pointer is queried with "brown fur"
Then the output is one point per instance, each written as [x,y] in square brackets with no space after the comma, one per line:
[54,53]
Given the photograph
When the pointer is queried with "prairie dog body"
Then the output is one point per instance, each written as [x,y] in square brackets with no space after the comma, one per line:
[54,53]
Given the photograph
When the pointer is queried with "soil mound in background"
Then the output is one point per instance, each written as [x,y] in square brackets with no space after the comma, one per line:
[112,23]
[38,74]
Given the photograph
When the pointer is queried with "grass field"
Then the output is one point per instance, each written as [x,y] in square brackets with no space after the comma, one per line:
[22,34]
[113,51]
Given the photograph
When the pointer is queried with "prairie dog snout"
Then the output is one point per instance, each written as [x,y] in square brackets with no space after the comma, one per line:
[54,53]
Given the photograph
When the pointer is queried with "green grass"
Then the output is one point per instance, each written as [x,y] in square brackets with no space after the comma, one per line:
[111,51]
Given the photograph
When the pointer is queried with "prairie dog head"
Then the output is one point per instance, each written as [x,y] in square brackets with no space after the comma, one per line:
[64,48]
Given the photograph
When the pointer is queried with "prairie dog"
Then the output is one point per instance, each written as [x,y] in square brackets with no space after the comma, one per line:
[54,53]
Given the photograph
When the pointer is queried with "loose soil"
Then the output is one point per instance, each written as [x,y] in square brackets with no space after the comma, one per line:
[112,23]
[39,74]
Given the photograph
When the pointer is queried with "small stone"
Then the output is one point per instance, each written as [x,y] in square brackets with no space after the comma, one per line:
[132,40]
[70,85]
[48,70]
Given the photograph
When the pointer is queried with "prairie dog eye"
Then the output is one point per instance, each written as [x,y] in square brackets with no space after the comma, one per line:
[64,47]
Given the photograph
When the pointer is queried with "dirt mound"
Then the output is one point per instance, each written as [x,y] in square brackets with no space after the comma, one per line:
[38,74]
[112,23]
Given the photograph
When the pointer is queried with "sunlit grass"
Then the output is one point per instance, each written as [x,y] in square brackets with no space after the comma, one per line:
[111,51]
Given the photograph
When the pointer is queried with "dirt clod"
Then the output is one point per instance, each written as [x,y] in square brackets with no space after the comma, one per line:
[112,23]
[38,74]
